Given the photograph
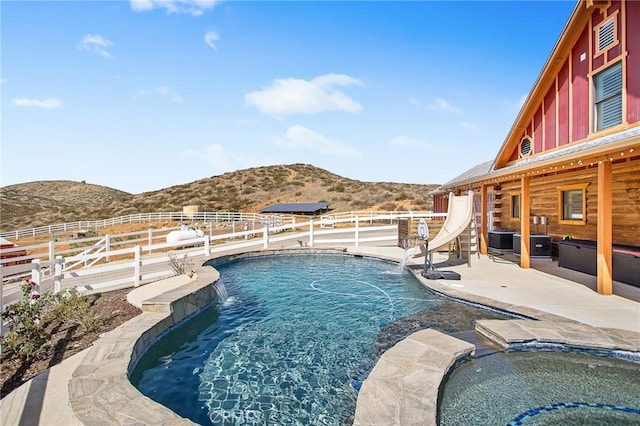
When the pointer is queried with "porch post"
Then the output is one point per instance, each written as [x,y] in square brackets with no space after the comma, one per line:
[483,220]
[525,229]
[604,225]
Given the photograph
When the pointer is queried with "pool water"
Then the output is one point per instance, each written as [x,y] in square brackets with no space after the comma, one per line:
[291,344]
[542,388]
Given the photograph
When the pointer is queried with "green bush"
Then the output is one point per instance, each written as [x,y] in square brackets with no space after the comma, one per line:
[26,335]
[75,309]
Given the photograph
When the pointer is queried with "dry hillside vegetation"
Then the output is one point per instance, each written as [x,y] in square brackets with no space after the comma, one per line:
[52,202]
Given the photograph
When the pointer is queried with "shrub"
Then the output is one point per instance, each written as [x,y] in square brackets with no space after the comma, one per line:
[26,335]
[76,309]
[388,206]
[178,264]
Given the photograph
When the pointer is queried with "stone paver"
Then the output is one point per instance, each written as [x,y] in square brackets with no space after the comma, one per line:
[512,332]
[402,389]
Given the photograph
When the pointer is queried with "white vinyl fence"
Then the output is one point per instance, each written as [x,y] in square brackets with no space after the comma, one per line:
[125,260]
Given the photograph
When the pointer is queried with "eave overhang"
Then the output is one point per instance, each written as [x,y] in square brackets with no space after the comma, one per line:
[561,51]
[615,147]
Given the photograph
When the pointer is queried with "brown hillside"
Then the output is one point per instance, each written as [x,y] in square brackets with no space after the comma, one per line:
[51,202]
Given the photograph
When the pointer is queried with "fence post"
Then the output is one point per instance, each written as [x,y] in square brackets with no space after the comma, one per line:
[207,246]
[136,265]
[293,223]
[265,236]
[36,273]
[357,236]
[52,248]
[57,275]
[311,233]
[150,239]
[107,248]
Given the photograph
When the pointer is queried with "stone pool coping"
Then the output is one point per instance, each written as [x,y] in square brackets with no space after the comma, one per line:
[100,392]
[402,386]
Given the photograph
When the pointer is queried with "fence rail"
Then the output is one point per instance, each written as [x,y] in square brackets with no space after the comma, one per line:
[95,225]
[205,217]
[137,257]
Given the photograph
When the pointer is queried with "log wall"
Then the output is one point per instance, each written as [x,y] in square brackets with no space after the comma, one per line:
[544,202]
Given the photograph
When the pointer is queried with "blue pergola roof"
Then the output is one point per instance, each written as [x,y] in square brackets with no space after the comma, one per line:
[303,208]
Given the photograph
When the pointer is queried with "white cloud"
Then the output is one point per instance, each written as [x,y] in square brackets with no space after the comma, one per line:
[295,96]
[45,103]
[412,143]
[473,127]
[440,104]
[4,80]
[210,38]
[165,91]
[95,44]
[299,137]
[414,101]
[192,7]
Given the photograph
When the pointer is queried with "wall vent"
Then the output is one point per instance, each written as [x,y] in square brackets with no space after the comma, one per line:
[606,34]
[525,146]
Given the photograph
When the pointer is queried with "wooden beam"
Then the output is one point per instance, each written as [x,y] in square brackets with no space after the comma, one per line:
[525,228]
[605,228]
[483,220]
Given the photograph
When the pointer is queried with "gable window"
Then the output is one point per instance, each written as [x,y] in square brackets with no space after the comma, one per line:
[608,97]
[572,203]
[515,206]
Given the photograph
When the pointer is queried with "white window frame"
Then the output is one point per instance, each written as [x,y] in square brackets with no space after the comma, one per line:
[607,100]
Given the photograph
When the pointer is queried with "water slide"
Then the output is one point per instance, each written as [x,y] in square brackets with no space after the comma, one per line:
[458,218]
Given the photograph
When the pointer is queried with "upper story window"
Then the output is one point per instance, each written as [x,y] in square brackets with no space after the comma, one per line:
[608,97]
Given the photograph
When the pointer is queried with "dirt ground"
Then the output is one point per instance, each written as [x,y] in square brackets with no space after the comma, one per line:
[66,340]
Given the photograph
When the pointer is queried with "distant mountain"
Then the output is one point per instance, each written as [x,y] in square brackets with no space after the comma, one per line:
[42,203]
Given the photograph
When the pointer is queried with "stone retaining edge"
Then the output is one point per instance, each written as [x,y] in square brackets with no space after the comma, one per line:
[100,392]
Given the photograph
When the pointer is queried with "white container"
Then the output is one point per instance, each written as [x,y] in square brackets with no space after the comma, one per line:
[184,234]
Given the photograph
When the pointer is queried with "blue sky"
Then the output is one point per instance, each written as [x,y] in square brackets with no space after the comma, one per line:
[143,95]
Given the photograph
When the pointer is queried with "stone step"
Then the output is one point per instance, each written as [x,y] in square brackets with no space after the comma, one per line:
[484,346]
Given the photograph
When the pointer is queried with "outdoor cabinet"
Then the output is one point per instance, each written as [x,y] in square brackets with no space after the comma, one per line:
[581,255]
[501,240]
[539,245]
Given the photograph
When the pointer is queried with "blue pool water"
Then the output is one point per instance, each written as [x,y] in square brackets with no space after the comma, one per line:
[290,345]
[542,388]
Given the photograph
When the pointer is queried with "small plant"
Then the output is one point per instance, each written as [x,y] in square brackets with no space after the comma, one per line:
[26,335]
[178,264]
[73,308]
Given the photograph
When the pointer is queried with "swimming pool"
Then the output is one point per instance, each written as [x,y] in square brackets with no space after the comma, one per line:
[290,345]
[538,388]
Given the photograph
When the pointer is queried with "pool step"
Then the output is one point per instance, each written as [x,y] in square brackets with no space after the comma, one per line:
[484,346]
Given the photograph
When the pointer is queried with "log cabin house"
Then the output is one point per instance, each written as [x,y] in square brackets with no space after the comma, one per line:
[571,161]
